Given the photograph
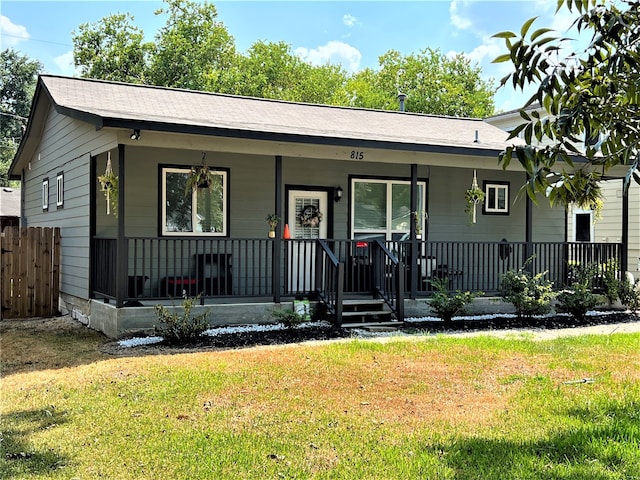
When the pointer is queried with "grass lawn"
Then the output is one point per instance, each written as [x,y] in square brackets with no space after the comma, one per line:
[434,408]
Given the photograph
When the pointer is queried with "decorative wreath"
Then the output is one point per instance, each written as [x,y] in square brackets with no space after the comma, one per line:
[310,216]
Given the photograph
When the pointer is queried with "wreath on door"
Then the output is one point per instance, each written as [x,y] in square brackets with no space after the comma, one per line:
[310,216]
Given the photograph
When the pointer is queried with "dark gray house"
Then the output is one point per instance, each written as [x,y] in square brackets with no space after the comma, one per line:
[372,203]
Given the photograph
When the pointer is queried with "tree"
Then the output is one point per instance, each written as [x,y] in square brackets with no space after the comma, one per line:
[17,84]
[591,94]
[193,49]
[112,49]
[433,82]
[272,70]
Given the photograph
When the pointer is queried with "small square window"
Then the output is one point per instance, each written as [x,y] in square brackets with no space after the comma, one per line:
[60,190]
[496,199]
[45,194]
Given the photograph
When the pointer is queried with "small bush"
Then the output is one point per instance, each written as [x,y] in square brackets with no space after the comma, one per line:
[629,293]
[447,305]
[610,280]
[289,318]
[529,294]
[577,300]
[181,328]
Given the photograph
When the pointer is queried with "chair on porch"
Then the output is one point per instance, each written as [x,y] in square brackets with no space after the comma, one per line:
[213,273]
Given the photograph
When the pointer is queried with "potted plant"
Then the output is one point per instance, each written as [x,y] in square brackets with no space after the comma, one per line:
[199,177]
[473,197]
[109,186]
[273,220]
[417,218]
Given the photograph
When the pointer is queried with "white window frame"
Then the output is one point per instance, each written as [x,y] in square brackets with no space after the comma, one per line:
[194,219]
[387,232]
[60,189]
[494,208]
[580,211]
[45,193]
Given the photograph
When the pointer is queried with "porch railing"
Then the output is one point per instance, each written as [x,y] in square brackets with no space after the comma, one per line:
[389,278]
[329,280]
[160,267]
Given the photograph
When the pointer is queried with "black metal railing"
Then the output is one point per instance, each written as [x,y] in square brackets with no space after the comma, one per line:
[389,278]
[329,280]
[160,267]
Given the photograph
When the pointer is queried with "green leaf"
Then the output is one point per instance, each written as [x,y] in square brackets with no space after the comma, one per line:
[504,35]
[540,31]
[502,58]
[526,25]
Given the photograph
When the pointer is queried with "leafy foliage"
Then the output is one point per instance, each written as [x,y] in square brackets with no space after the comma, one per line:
[112,49]
[289,318]
[579,298]
[529,294]
[629,293]
[195,50]
[181,328]
[589,96]
[447,305]
[17,84]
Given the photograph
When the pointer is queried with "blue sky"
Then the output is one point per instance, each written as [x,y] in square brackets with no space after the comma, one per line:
[353,34]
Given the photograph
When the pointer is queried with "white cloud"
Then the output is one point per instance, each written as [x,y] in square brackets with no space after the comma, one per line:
[12,34]
[349,20]
[458,20]
[333,52]
[65,64]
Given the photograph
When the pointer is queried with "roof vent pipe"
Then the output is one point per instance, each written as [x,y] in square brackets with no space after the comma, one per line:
[477,140]
[401,98]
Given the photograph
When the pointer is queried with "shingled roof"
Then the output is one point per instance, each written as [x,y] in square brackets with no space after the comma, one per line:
[165,109]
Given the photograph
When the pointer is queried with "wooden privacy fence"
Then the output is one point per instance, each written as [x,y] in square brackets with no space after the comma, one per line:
[30,272]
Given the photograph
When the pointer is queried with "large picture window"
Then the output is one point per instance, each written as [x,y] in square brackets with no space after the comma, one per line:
[382,208]
[199,212]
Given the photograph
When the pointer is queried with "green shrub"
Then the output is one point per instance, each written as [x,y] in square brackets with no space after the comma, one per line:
[289,318]
[629,293]
[611,283]
[447,305]
[181,328]
[529,294]
[577,300]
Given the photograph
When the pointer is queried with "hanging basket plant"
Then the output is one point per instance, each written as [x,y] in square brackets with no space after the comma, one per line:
[310,216]
[109,186]
[200,176]
[472,198]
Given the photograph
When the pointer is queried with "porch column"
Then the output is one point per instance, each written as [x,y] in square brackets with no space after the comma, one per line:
[413,257]
[121,243]
[624,261]
[528,234]
[277,242]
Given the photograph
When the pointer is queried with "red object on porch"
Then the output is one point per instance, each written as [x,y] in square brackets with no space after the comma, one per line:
[287,234]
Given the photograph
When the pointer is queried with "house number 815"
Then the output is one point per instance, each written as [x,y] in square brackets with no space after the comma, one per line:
[357,155]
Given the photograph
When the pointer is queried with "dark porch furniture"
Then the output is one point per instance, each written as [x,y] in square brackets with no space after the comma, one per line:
[214,273]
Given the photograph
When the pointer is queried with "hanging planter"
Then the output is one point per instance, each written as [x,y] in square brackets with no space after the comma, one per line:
[473,197]
[200,176]
[109,186]
[273,220]
[310,216]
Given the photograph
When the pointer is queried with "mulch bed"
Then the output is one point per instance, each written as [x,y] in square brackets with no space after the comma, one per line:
[297,335]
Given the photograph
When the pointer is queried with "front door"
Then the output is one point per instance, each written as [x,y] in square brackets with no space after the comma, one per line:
[307,220]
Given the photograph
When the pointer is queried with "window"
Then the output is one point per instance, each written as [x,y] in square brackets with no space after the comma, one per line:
[60,190]
[45,194]
[199,212]
[382,208]
[496,200]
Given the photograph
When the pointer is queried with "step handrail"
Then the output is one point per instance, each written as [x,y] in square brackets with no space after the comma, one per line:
[329,280]
[388,279]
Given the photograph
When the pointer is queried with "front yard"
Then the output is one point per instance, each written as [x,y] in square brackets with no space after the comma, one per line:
[434,407]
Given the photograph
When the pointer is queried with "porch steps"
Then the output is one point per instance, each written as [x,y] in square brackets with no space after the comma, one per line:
[366,313]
